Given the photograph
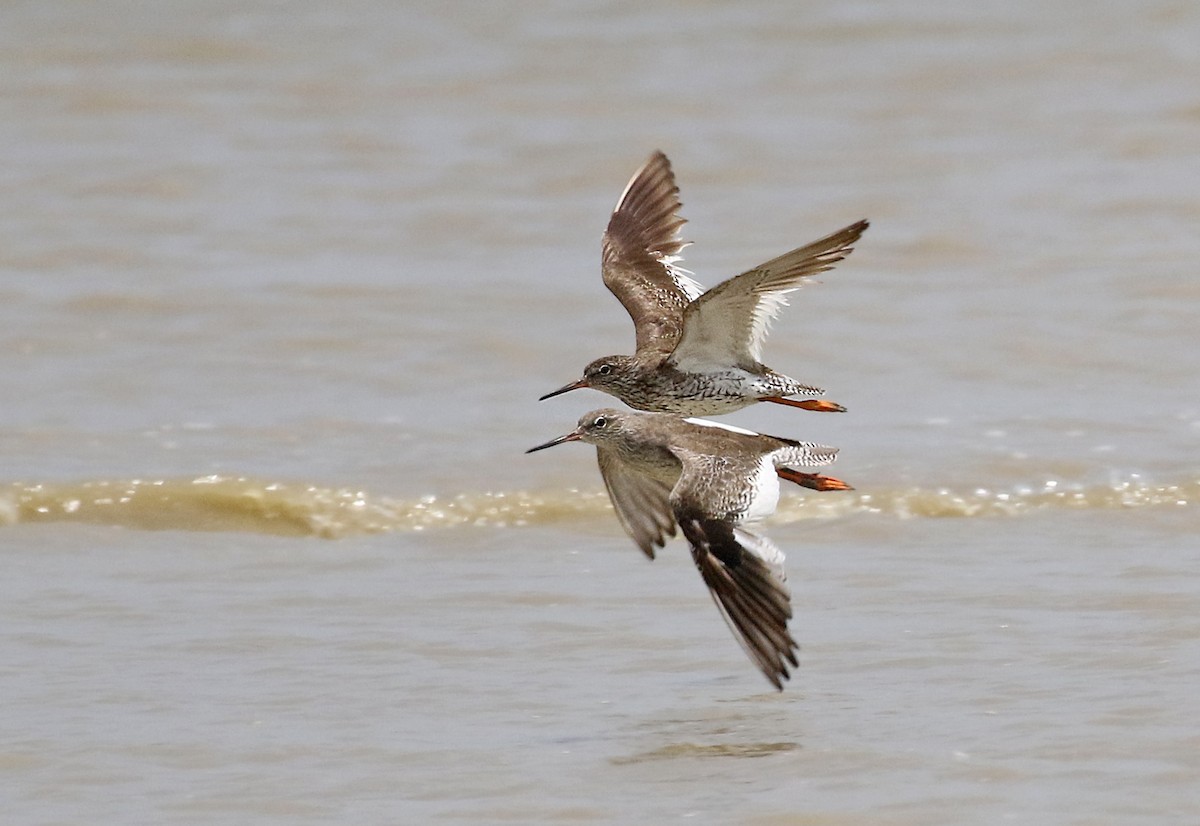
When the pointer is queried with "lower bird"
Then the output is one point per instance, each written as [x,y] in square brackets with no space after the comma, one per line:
[709,479]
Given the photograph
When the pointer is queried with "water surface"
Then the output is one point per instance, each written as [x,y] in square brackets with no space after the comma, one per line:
[280,286]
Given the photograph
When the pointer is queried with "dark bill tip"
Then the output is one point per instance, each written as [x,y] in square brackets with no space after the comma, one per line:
[573,436]
[566,388]
[822,406]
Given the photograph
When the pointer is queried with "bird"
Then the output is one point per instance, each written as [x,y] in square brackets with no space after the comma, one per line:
[662,470]
[697,353]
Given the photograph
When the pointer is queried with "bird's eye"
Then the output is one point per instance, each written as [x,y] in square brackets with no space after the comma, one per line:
[605,369]
[600,421]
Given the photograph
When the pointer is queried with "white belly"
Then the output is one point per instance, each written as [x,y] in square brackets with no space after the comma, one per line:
[766,492]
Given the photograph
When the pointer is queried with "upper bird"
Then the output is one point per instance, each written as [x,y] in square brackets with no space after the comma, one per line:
[698,353]
[709,478]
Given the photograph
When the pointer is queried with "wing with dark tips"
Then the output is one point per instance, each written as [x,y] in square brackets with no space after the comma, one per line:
[640,501]
[639,251]
[729,323]
[749,590]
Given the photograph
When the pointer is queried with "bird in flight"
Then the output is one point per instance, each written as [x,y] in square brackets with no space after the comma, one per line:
[697,353]
[709,479]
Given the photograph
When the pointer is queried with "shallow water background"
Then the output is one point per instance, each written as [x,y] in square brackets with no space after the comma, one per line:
[280,285]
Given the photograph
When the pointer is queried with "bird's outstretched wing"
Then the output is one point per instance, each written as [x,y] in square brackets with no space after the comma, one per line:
[640,501]
[729,323]
[639,252]
[748,589]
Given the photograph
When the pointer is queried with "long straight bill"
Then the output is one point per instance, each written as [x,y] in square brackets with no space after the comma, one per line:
[566,388]
[573,436]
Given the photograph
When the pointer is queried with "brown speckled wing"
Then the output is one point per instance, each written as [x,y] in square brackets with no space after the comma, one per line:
[638,255]
[752,597]
[640,501]
[729,323]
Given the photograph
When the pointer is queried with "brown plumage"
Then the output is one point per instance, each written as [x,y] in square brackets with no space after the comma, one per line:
[697,353]
[662,471]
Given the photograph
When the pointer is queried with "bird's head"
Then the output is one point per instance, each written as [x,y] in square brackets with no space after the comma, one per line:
[597,428]
[610,374]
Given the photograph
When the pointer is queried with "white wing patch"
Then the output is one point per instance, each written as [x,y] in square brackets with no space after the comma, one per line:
[682,278]
[764,549]
[720,426]
[769,305]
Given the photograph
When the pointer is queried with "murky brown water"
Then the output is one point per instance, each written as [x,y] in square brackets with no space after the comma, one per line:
[279,287]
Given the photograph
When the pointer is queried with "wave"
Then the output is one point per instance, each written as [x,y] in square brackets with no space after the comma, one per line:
[228,503]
